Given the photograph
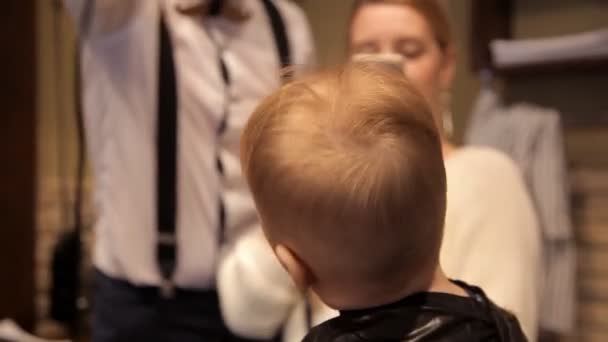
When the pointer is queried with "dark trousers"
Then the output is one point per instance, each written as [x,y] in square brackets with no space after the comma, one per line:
[126,313]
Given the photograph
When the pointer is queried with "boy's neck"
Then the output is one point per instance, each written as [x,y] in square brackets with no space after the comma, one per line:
[434,281]
[447,148]
[442,284]
[438,283]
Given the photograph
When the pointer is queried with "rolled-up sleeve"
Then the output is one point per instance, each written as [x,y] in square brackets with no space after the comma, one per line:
[256,293]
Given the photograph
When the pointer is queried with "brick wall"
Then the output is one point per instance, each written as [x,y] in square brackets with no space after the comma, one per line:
[589,174]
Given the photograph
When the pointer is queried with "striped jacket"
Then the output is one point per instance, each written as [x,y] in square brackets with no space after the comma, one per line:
[532,136]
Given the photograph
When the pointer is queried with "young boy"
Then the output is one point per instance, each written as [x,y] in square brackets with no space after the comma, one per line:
[346,170]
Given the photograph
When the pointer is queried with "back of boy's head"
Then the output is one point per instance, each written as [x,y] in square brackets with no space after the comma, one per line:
[346,170]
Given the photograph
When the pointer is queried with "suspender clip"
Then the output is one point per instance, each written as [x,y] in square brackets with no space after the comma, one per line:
[167,289]
[166,239]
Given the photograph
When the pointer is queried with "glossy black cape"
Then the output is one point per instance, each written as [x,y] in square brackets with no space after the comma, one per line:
[424,317]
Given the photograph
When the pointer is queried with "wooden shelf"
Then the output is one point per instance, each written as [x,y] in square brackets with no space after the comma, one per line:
[595,65]
[492,19]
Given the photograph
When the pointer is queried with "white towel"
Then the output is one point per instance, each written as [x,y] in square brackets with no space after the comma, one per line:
[588,45]
[10,331]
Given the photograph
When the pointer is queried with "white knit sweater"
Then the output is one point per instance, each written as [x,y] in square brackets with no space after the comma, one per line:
[491,240]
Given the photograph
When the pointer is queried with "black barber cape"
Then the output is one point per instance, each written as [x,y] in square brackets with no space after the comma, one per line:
[425,316]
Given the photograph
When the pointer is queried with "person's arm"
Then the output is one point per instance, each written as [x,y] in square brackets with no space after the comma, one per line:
[100,16]
[257,296]
[77,8]
[492,238]
[256,293]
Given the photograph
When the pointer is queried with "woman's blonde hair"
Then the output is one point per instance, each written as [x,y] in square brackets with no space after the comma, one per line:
[431,10]
[346,170]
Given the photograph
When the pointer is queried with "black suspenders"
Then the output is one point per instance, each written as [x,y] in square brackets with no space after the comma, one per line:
[166,161]
[279,32]
[167,143]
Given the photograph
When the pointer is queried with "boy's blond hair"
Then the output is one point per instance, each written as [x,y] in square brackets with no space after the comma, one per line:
[346,170]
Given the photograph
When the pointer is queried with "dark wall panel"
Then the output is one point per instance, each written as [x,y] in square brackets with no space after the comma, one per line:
[17,159]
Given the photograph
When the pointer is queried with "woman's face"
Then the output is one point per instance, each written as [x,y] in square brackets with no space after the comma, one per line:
[399,29]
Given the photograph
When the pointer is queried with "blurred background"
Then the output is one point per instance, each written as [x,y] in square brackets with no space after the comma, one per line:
[40,145]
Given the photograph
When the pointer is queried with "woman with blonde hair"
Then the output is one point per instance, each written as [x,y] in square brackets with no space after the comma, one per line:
[491,237]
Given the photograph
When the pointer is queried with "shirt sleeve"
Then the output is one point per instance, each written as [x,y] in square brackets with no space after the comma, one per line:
[549,181]
[76,8]
[100,16]
[256,293]
[492,238]
[550,190]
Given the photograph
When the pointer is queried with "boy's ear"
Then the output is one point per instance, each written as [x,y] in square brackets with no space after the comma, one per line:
[297,269]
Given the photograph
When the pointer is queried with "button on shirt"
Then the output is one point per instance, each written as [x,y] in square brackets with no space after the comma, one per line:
[120,72]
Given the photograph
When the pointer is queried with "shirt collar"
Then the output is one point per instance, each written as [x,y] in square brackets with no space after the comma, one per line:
[193,5]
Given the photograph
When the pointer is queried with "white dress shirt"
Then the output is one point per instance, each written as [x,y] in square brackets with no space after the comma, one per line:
[120,71]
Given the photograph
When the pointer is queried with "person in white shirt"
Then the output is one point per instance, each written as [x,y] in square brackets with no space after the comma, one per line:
[491,234]
[223,56]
